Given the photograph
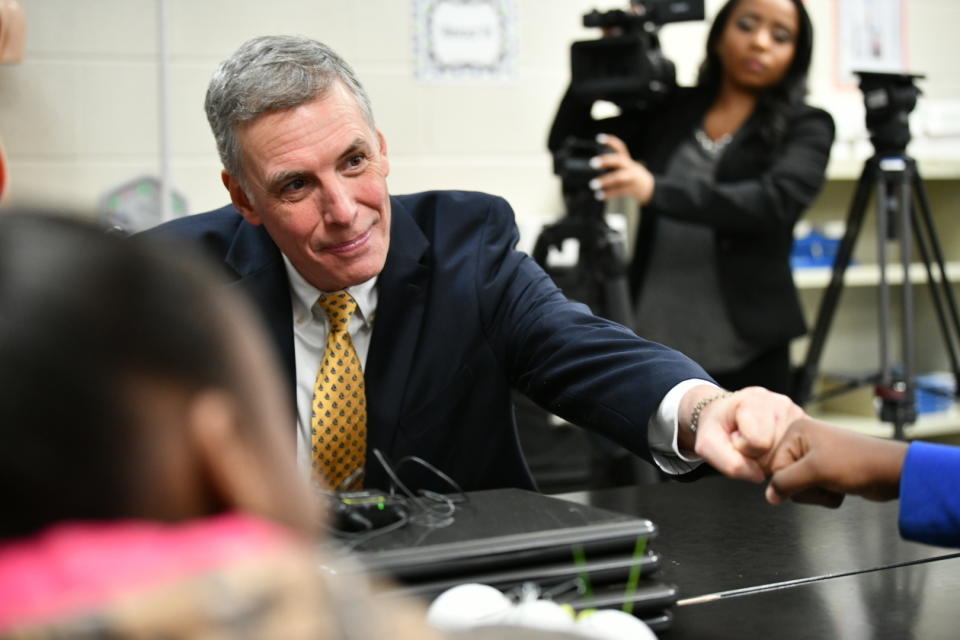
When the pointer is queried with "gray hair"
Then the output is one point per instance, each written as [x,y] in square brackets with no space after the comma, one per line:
[271,73]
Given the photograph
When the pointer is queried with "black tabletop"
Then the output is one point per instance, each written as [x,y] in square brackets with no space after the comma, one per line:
[718,535]
[920,600]
[744,569]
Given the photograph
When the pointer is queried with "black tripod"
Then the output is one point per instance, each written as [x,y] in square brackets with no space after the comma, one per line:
[600,278]
[903,212]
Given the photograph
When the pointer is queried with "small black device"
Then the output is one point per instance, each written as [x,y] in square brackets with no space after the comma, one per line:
[362,511]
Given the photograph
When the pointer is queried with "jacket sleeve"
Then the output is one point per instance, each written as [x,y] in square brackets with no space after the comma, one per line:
[587,369]
[772,200]
[930,494]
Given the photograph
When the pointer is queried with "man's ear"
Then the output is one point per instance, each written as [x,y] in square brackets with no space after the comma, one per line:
[226,455]
[239,198]
[384,158]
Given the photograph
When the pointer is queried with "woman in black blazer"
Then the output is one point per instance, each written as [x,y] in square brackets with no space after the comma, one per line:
[722,172]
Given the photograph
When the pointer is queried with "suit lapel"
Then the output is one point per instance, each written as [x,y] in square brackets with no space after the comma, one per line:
[402,287]
[401,296]
[263,277]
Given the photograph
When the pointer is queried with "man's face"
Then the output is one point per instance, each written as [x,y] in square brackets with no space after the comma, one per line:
[316,180]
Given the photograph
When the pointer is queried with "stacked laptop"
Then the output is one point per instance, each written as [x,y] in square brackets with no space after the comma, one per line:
[517,540]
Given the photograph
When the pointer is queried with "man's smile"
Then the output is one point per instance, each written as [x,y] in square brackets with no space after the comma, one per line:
[351,245]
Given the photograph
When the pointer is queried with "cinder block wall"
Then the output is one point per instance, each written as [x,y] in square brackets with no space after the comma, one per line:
[80,114]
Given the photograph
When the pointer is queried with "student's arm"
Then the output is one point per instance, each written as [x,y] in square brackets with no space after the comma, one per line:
[819,463]
[930,494]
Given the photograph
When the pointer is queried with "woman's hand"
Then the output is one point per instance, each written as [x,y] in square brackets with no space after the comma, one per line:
[625,176]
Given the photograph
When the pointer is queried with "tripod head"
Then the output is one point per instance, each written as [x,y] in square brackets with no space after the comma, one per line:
[889,98]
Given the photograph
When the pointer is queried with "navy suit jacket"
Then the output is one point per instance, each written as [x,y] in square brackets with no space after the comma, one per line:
[463,317]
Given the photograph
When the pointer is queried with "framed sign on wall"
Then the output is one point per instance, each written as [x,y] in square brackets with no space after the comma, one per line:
[465,40]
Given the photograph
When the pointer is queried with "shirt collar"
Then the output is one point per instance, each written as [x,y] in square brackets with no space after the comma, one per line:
[304,295]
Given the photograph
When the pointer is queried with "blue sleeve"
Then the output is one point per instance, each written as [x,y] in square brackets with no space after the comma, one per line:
[930,494]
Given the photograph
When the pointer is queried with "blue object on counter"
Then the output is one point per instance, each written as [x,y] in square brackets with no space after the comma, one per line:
[814,250]
[935,392]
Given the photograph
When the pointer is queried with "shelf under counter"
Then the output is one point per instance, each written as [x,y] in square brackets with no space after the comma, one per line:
[864,275]
[845,167]
[928,425]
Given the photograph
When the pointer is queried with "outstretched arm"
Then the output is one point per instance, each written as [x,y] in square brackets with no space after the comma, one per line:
[818,463]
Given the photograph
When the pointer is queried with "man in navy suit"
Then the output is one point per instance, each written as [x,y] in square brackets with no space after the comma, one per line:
[450,316]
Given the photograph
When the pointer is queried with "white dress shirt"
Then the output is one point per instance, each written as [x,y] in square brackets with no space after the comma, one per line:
[310,326]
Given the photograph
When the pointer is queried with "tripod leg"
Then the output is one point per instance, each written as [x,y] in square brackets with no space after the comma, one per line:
[885,231]
[944,299]
[612,262]
[550,236]
[903,410]
[803,383]
[934,282]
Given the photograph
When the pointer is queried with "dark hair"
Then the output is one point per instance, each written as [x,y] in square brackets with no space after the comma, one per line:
[82,313]
[775,101]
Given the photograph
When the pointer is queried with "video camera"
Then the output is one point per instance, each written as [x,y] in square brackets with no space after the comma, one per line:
[889,98]
[626,66]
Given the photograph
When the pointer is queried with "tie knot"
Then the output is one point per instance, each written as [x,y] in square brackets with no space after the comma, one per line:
[338,306]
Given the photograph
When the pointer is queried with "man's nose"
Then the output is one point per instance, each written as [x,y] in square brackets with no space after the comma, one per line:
[338,203]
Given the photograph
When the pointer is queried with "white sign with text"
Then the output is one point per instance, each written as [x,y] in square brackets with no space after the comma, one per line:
[465,40]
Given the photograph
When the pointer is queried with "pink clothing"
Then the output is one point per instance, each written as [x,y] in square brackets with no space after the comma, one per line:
[74,567]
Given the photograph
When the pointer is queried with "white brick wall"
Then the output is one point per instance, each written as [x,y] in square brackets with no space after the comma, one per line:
[80,114]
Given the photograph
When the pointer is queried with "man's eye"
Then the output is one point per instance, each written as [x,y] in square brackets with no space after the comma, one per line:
[295,185]
[357,160]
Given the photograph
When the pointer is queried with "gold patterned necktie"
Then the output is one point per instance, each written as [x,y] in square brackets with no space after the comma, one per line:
[339,424]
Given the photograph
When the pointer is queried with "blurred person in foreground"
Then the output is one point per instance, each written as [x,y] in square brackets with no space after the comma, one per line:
[147,480]
[819,463]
